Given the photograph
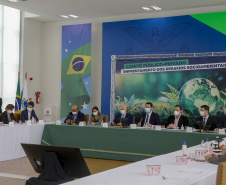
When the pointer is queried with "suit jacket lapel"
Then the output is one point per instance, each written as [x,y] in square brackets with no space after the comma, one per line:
[179,122]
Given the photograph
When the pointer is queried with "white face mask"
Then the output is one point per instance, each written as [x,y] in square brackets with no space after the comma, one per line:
[123,112]
[202,113]
[9,111]
[147,110]
[74,112]
[176,113]
[95,113]
[29,109]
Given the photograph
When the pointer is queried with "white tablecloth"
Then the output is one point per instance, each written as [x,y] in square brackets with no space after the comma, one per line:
[12,137]
[135,173]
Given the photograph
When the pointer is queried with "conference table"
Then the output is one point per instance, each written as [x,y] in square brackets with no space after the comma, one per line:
[12,137]
[121,143]
[194,173]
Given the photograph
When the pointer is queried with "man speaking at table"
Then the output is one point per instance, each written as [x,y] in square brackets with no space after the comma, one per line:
[75,116]
[149,118]
[28,113]
[123,114]
[177,120]
[209,123]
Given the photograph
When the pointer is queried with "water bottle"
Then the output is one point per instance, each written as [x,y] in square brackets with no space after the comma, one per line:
[184,149]
[207,145]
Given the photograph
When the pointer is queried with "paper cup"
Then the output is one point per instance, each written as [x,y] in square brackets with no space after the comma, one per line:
[200,155]
[184,160]
[153,170]
[178,160]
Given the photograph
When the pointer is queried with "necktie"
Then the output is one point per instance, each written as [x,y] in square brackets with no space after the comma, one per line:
[204,119]
[146,120]
[123,116]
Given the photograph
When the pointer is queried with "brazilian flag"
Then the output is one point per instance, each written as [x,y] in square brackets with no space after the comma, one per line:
[74,67]
[18,98]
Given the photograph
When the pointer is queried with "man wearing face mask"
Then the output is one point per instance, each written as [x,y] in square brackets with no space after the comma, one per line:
[123,114]
[209,122]
[28,113]
[177,120]
[222,119]
[7,115]
[75,116]
[149,118]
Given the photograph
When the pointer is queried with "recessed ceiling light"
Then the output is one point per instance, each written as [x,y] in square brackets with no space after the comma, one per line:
[146,8]
[14,1]
[73,16]
[64,16]
[156,7]
[69,16]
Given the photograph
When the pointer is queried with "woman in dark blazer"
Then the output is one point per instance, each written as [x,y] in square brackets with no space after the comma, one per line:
[7,115]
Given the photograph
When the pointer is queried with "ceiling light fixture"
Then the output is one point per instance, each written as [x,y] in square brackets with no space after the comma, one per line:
[156,7]
[69,16]
[146,8]
[64,16]
[73,16]
[16,1]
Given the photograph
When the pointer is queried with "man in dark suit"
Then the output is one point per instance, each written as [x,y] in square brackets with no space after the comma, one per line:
[0,105]
[123,114]
[149,118]
[28,113]
[206,121]
[223,121]
[177,120]
[75,116]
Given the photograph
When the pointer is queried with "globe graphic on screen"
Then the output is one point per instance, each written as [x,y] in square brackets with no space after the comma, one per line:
[197,92]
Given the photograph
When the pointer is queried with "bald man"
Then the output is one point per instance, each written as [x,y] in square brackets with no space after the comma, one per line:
[123,114]
[76,116]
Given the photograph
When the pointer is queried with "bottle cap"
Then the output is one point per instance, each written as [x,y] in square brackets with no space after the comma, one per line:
[184,143]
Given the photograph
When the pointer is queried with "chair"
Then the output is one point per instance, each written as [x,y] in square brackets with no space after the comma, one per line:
[86,117]
[221,177]
[105,118]
[17,116]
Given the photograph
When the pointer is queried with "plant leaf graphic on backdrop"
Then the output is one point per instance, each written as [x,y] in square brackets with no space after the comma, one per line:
[155,38]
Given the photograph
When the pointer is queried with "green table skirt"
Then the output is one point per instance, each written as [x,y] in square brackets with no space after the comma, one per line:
[121,143]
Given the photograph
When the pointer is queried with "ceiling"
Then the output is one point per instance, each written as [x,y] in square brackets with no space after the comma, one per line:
[50,10]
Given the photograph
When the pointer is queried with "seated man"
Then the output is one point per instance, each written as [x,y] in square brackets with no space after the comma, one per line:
[28,113]
[223,121]
[177,120]
[215,159]
[149,118]
[123,114]
[209,122]
[75,116]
